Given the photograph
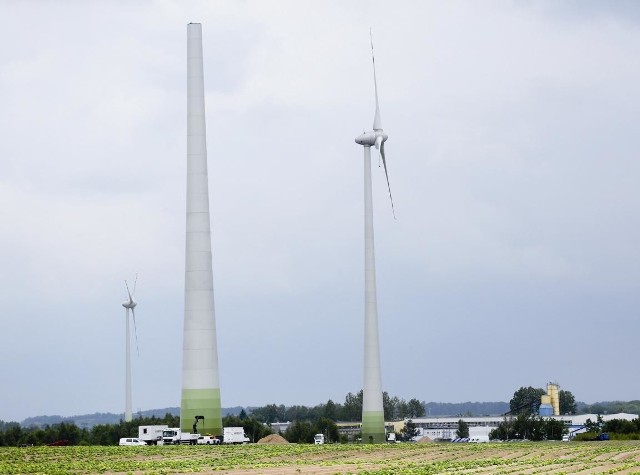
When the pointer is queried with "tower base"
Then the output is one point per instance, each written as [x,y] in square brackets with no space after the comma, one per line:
[373,427]
[201,402]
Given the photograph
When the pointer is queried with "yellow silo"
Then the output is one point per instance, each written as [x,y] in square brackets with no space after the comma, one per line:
[554,395]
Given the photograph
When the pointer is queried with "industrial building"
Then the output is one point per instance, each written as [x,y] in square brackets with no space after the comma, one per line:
[444,428]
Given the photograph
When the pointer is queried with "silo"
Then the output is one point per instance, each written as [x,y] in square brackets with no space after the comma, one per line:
[552,391]
[546,409]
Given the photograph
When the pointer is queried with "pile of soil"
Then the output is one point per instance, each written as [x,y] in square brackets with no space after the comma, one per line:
[273,439]
[424,440]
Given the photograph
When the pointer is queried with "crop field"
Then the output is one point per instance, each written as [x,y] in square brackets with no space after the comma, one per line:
[463,459]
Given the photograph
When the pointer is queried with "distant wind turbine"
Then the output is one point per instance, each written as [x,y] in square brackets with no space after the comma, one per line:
[129,304]
[372,407]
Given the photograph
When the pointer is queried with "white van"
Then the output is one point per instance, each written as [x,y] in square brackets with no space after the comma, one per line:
[131,441]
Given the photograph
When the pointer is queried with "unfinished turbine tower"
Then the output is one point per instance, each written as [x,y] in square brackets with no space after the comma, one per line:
[200,379]
[372,407]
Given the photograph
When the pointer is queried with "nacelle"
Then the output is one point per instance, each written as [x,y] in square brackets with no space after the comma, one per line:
[368,139]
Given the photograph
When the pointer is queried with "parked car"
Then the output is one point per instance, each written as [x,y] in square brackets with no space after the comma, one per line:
[208,440]
[131,441]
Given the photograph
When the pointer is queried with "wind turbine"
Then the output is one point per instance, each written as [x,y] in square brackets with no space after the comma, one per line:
[372,407]
[129,304]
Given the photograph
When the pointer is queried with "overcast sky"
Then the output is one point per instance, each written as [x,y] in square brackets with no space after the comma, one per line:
[513,160]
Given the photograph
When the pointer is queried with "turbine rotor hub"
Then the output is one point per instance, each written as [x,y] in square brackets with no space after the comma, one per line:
[368,139]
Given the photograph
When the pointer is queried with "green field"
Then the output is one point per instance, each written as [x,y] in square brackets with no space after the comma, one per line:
[464,459]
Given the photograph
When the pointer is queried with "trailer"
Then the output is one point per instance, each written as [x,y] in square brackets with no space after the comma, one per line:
[151,435]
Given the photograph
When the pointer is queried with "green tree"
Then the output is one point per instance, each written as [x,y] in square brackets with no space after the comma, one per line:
[255,429]
[504,431]
[270,413]
[620,426]
[389,405]
[594,426]
[526,400]
[567,402]
[352,408]
[415,408]
[555,429]
[103,434]
[463,429]
[598,408]
[69,432]
[297,412]
[12,434]
[330,410]
[402,410]
[528,426]
[409,431]
[300,432]
[327,427]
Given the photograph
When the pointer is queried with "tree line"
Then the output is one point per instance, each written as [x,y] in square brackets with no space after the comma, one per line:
[610,407]
[306,422]
[530,427]
[395,408]
[12,434]
[617,429]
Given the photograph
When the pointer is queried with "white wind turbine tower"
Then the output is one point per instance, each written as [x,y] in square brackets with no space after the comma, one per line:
[129,304]
[372,408]
[200,400]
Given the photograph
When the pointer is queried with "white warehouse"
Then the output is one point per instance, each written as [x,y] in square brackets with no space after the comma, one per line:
[480,427]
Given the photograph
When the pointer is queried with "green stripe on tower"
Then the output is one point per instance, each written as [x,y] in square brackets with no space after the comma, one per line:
[373,427]
[201,402]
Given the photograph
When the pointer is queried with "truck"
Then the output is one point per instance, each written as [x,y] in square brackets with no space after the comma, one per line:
[318,439]
[151,435]
[234,435]
[175,436]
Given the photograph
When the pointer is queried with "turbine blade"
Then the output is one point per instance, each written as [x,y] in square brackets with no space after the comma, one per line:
[135,330]
[377,122]
[377,144]
[384,162]
[135,282]
[127,285]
